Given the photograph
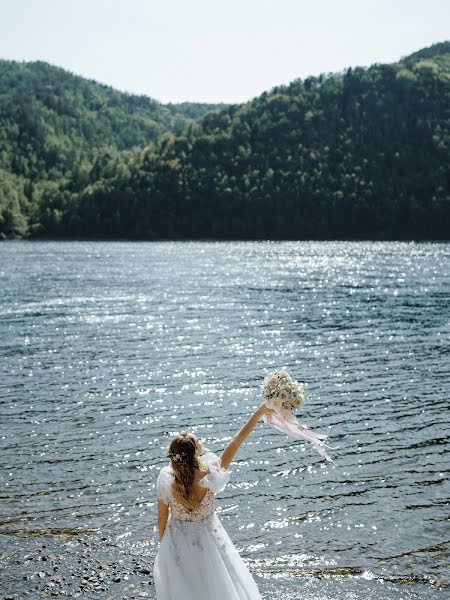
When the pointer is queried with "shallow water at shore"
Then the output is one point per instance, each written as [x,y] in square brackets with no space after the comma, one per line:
[108,348]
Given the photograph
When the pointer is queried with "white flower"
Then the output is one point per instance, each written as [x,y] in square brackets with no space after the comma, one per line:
[277,403]
[282,394]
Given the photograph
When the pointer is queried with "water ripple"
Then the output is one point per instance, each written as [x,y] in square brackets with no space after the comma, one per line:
[108,349]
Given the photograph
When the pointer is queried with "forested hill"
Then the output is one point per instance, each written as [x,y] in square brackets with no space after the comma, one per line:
[51,118]
[360,154]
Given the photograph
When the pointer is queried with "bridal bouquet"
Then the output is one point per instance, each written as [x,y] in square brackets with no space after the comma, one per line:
[284,395]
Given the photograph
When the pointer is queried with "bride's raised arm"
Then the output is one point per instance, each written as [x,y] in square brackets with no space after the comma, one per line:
[227,455]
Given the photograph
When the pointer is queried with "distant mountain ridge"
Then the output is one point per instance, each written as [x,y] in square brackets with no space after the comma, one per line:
[441,49]
[364,153]
[50,101]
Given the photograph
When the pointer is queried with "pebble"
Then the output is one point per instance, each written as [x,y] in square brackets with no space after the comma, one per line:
[77,569]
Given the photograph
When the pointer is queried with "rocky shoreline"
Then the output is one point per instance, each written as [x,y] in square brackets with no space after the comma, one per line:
[94,566]
[75,567]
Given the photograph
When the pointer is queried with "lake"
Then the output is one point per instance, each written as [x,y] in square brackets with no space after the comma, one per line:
[110,348]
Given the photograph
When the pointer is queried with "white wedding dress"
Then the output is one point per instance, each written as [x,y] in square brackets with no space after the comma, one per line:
[196,559]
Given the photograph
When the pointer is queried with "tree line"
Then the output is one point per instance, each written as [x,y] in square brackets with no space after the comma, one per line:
[361,154]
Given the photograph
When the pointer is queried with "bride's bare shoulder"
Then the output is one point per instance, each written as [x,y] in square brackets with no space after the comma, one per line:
[202,471]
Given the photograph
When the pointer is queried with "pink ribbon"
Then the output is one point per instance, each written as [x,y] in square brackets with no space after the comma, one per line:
[297,432]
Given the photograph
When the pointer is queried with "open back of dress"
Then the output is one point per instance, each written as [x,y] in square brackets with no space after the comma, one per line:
[196,559]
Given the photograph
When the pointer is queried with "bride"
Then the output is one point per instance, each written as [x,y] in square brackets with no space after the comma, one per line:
[196,559]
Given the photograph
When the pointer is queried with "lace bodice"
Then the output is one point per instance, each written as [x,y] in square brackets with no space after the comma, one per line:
[215,481]
[203,511]
[196,558]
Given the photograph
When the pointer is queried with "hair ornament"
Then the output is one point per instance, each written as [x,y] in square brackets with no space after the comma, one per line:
[178,456]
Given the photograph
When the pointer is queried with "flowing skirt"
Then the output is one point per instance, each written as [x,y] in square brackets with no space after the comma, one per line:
[197,560]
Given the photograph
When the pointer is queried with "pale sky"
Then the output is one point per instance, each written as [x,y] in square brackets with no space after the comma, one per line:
[215,50]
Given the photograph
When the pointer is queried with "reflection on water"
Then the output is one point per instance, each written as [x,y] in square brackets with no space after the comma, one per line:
[110,348]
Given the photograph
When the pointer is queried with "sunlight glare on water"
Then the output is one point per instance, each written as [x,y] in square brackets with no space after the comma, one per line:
[110,348]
